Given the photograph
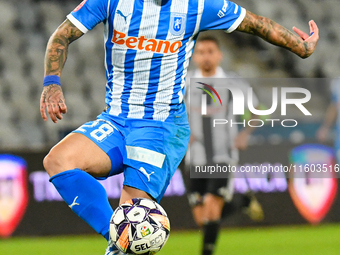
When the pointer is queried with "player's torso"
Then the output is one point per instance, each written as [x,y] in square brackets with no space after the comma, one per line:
[148,47]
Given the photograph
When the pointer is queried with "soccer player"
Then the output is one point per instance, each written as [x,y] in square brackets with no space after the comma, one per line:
[144,130]
[332,116]
[211,198]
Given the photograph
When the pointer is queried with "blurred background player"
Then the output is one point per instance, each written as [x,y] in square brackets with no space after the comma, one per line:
[332,117]
[212,198]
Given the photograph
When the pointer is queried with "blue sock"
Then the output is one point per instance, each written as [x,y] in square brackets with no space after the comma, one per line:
[86,197]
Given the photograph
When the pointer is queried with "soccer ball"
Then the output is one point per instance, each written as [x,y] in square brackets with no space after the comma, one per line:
[139,226]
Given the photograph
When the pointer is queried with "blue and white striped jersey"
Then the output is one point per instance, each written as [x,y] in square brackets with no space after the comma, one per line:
[148,45]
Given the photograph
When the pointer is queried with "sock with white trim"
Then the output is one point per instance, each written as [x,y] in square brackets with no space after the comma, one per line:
[86,197]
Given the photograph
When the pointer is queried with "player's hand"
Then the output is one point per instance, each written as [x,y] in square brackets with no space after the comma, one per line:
[53,100]
[311,40]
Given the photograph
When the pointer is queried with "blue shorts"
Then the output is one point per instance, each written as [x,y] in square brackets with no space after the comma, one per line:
[147,151]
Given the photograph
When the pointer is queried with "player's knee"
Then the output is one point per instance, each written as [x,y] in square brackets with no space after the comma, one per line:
[213,206]
[55,163]
[212,215]
[51,163]
[213,201]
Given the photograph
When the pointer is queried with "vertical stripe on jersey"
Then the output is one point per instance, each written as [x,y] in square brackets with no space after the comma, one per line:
[126,7]
[208,136]
[143,61]
[190,48]
[184,58]
[168,70]
[106,40]
[107,45]
[130,56]
[164,21]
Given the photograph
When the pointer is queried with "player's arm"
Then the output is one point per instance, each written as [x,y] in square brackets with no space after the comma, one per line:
[52,96]
[302,45]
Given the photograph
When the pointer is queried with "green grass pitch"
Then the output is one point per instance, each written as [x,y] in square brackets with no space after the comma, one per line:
[289,240]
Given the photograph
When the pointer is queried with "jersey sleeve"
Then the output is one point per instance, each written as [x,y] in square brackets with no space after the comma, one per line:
[221,14]
[88,14]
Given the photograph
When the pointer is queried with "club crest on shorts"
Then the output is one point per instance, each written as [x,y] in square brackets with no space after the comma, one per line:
[177,23]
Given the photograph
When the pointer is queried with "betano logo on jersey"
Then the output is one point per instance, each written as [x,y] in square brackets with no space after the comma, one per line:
[143,43]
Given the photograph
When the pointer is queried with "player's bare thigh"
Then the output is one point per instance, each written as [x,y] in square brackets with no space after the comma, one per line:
[77,151]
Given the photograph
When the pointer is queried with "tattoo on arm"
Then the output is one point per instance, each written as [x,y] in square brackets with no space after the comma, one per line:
[57,47]
[273,33]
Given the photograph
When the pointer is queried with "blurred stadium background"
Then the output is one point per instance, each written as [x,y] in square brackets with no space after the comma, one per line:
[24,31]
